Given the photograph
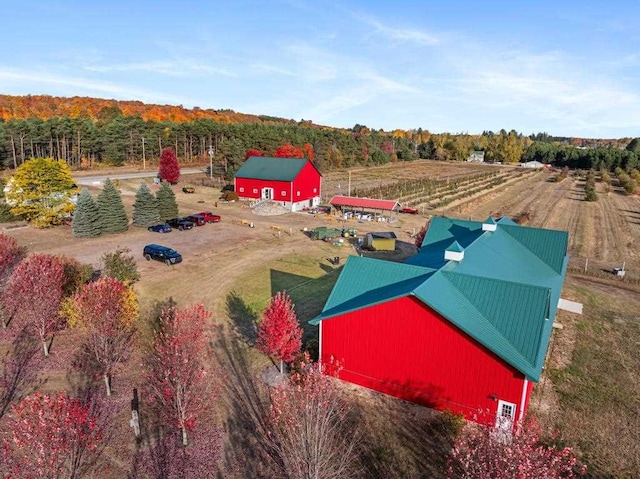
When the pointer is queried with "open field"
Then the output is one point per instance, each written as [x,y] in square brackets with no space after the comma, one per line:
[234,269]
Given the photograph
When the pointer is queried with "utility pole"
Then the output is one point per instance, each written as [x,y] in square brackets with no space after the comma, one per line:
[211,153]
[144,160]
[349,188]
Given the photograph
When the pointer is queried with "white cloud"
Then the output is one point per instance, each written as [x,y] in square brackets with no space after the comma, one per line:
[37,81]
[401,34]
[179,68]
[271,69]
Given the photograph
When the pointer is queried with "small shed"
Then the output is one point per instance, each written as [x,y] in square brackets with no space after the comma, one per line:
[381,241]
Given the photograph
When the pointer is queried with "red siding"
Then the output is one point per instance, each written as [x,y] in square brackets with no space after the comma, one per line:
[305,182]
[405,349]
[308,178]
[249,184]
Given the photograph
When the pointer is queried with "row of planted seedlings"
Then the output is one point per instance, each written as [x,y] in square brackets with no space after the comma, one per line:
[453,189]
[484,187]
[405,189]
[445,185]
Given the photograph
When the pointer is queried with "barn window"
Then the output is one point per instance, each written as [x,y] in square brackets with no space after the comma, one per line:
[298,193]
[283,193]
[255,190]
[315,190]
[241,189]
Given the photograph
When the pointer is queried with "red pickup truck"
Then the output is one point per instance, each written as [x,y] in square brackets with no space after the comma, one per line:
[410,211]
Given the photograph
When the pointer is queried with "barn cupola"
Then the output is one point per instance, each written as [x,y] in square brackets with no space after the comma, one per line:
[489,224]
[454,252]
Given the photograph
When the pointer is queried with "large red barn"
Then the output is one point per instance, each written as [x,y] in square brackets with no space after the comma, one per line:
[293,182]
[464,325]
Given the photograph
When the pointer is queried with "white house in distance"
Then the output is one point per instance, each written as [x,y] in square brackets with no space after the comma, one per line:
[533,164]
[476,156]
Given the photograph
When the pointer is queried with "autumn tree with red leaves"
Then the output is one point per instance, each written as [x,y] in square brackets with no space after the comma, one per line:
[107,311]
[279,333]
[421,234]
[10,256]
[311,426]
[169,169]
[177,368]
[253,152]
[34,294]
[51,436]
[309,153]
[482,451]
[288,151]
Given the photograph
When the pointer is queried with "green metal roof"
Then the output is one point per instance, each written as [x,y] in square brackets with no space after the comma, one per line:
[455,247]
[366,281]
[268,168]
[503,293]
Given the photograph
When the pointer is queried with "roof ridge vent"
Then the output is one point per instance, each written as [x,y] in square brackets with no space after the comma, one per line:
[489,224]
[454,252]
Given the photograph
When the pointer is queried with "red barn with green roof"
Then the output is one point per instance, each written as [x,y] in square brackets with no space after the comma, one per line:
[293,182]
[464,325]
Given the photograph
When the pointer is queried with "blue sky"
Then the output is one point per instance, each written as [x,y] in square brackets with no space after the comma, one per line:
[566,67]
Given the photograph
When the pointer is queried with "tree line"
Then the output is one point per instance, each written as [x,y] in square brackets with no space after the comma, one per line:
[113,138]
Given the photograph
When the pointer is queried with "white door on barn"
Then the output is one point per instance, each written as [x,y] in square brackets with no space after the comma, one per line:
[505,416]
[267,193]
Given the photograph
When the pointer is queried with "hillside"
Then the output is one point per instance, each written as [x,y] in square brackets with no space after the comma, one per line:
[45,107]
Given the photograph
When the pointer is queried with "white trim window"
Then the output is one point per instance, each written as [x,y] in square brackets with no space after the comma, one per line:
[242,189]
[255,190]
[315,190]
[297,193]
[283,193]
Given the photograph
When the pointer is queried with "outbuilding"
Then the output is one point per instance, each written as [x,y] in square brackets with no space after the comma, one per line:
[293,182]
[464,325]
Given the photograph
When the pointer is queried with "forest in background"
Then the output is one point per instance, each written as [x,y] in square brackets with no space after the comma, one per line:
[88,132]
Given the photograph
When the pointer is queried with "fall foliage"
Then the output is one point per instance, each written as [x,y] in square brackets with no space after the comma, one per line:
[52,436]
[168,166]
[34,294]
[482,451]
[311,427]
[279,334]
[177,372]
[106,310]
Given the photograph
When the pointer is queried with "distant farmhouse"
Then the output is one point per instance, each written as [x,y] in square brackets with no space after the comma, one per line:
[464,325]
[476,156]
[532,164]
[293,182]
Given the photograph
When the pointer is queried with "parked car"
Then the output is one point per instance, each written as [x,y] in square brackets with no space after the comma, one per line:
[209,217]
[197,219]
[180,223]
[163,228]
[161,253]
[410,211]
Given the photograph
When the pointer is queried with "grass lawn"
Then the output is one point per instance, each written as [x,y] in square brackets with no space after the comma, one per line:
[306,280]
[597,385]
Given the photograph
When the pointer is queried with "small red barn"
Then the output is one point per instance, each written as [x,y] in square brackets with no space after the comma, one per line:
[293,182]
[464,325]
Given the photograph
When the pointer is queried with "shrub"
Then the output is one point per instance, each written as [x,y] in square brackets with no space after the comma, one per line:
[120,265]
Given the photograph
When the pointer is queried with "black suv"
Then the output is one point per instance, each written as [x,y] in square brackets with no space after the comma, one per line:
[180,223]
[161,253]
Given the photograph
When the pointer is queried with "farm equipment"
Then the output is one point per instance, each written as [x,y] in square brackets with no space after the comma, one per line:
[188,189]
[325,233]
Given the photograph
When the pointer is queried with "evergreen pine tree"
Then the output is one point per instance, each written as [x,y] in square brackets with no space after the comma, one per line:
[167,204]
[145,208]
[113,217]
[86,218]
